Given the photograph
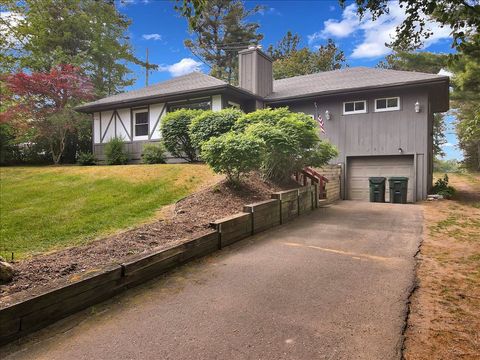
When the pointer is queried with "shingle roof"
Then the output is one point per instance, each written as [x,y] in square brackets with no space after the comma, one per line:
[194,81]
[345,80]
[327,82]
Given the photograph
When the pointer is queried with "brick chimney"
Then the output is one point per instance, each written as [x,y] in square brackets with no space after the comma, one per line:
[255,71]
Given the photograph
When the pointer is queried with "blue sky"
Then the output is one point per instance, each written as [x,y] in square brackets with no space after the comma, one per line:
[156,25]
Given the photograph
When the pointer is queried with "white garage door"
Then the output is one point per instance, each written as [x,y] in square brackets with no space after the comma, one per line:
[361,168]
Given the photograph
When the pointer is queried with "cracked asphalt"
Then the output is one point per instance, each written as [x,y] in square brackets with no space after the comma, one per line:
[333,284]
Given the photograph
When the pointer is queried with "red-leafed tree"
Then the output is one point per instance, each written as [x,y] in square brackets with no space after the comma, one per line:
[44,102]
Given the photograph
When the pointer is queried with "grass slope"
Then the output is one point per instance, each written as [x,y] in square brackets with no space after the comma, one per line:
[45,208]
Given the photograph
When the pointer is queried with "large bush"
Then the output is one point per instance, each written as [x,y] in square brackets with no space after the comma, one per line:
[233,154]
[153,153]
[212,123]
[176,135]
[276,141]
[291,139]
[268,116]
[446,166]
[115,152]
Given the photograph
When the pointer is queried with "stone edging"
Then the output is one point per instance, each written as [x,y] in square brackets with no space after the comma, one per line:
[24,317]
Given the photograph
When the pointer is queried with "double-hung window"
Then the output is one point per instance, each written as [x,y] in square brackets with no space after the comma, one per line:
[387,104]
[140,125]
[355,107]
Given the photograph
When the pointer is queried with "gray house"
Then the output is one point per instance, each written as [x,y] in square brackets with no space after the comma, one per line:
[380,120]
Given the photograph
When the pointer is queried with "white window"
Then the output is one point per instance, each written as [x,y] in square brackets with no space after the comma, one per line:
[355,107]
[387,104]
[140,125]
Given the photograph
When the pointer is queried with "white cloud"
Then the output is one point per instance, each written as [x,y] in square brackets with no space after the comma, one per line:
[269,11]
[338,29]
[152,36]
[373,34]
[274,11]
[184,66]
[448,145]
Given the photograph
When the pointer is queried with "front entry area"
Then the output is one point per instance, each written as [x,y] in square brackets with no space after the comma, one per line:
[360,168]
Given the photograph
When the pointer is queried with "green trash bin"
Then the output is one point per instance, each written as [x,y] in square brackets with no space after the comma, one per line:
[377,189]
[398,189]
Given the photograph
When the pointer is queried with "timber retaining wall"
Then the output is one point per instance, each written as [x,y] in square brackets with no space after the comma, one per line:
[29,315]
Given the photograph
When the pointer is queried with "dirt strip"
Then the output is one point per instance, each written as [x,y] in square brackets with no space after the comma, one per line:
[444,321]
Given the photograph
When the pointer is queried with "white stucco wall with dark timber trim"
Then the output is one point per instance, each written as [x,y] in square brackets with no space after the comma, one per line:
[120,123]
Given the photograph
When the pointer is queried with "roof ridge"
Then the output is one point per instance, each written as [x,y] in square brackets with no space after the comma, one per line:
[159,84]
[354,68]
[360,77]
[326,71]
[180,77]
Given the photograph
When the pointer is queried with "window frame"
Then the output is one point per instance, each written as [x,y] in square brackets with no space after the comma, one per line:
[396,108]
[134,123]
[364,111]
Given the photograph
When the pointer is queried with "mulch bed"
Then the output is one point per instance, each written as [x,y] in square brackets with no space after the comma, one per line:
[190,218]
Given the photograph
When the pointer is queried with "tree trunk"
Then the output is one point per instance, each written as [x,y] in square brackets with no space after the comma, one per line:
[478,156]
[56,157]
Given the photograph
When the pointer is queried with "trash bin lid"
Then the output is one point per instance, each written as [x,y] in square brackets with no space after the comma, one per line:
[377,179]
[398,178]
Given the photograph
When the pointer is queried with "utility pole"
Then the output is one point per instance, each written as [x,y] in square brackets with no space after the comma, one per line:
[147,64]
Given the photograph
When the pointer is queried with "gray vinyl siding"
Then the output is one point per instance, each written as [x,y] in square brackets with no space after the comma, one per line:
[379,133]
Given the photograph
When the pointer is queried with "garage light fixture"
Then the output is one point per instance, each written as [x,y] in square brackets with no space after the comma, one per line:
[417,107]
[400,150]
[327,115]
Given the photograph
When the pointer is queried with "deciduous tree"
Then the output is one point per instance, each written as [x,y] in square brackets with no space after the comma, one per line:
[44,101]
[466,101]
[89,34]
[462,16]
[423,62]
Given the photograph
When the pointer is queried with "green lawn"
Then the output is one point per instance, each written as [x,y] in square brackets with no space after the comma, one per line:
[45,208]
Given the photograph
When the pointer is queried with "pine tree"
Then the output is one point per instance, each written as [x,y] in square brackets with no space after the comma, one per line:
[219,33]
[290,61]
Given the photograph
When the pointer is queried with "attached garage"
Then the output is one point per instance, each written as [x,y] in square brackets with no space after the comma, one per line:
[359,169]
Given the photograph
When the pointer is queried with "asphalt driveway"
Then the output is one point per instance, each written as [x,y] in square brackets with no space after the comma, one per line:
[331,285]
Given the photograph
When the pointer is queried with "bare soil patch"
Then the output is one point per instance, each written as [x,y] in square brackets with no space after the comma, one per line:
[444,321]
[187,219]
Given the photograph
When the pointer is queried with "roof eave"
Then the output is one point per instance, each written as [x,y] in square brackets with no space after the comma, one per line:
[163,98]
[145,100]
